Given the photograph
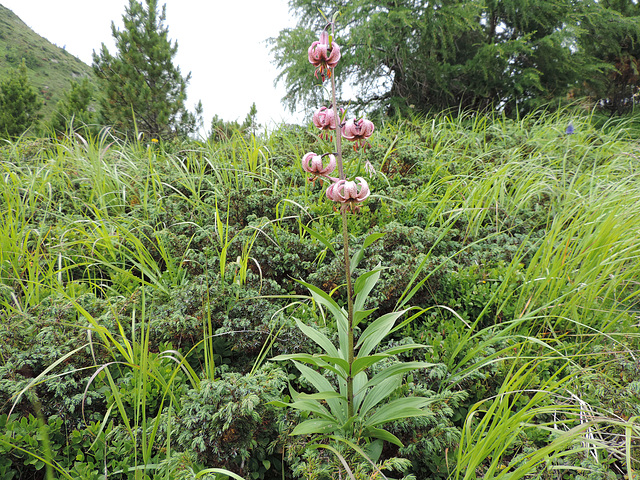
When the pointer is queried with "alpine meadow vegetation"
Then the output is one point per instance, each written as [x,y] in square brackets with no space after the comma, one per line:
[450,295]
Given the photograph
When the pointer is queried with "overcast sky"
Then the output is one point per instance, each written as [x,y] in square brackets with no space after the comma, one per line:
[221,42]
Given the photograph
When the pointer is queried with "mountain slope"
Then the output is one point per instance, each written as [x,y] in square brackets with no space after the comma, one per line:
[51,69]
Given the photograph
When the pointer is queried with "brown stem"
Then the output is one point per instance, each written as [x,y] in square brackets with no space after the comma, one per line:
[338,128]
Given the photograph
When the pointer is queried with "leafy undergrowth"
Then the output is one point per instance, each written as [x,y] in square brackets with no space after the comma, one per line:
[145,288]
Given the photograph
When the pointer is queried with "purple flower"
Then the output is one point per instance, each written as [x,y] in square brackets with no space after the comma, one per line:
[570,130]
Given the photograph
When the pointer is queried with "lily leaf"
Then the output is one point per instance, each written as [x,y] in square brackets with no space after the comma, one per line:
[315,425]
[323,240]
[403,348]
[308,406]
[359,254]
[360,315]
[383,435]
[318,337]
[325,299]
[317,360]
[399,409]
[320,396]
[396,369]
[360,364]
[376,331]
[363,286]
[379,393]
[337,406]
[359,381]
[338,361]
[317,380]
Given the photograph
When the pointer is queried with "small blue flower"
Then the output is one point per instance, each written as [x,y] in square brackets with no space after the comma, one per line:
[570,130]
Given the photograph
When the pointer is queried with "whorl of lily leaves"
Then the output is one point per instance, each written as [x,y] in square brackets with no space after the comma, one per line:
[349,193]
[314,164]
[324,56]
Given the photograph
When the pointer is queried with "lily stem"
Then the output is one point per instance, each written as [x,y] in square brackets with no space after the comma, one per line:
[345,241]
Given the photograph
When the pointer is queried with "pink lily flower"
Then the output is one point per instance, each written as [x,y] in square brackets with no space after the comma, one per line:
[358,131]
[323,55]
[325,120]
[349,193]
[313,163]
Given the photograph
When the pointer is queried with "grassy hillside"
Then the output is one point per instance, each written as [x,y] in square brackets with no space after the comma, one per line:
[145,290]
[51,69]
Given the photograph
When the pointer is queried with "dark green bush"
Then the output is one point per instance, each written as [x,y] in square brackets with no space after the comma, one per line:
[230,424]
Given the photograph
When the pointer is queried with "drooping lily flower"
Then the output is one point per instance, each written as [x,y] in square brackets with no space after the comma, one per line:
[313,163]
[324,55]
[358,131]
[325,120]
[349,193]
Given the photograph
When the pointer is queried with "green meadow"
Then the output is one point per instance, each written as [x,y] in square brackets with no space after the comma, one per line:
[147,287]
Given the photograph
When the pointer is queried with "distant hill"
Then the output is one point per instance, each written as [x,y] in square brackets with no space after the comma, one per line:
[51,68]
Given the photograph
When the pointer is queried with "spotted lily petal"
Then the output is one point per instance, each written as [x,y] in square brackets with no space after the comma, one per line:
[313,163]
[324,119]
[324,56]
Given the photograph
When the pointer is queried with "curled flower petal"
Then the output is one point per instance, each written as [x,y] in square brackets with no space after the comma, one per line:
[324,55]
[348,192]
[324,119]
[317,53]
[331,191]
[355,130]
[313,163]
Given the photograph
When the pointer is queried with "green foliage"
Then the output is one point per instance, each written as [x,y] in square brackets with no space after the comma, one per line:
[30,446]
[221,130]
[518,240]
[611,34]
[76,111]
[229,422]
[19,103]
[358,416]
[423,56]
[143,92]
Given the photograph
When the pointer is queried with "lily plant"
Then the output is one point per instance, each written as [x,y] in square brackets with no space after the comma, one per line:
[351,403]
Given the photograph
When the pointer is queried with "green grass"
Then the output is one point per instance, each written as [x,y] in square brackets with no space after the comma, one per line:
[132,274]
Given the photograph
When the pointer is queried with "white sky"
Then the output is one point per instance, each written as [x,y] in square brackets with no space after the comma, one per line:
[221,42]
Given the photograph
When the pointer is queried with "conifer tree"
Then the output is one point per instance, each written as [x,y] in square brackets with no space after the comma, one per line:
[611,32]
[76,108]
[19,103]
[143,91]
[438,54]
